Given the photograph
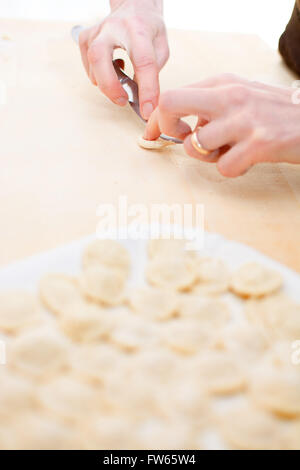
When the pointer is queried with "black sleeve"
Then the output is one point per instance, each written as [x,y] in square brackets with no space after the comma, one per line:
[289,43]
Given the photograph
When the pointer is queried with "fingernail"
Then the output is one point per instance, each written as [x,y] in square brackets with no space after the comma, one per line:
[121,101]
[147,110]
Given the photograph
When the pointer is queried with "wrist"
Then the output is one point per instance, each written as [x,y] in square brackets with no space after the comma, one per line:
[153,4]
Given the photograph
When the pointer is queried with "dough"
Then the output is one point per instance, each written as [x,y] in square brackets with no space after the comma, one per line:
[278,314]
[187,337]
[93,363]
[213,313]
[106,253]
[174,273]
[277,390]
[39,432]
[16,396]
[39,354]
[247,343]
[18,309]
[154,304]
[187,402]
[110,432]
[213,277]
[159,434]
[85,323]
[135,334]
[103,285]
[250,428]
[158,144]
[220,372]
[58,291]
[254,280]
[70,399]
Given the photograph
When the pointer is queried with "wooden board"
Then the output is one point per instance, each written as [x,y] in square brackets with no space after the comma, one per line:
[65,148]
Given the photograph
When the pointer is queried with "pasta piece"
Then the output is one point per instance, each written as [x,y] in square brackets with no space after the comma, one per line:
[39,354]
[277,390]
[174,273]
[16,396]
[187,337]
[254,280]
[220,372]
[38,432]
[106,253]
[250,428]
[69,399]
[158,144]
[247,343]
[154,304]
[58,291]
[18,309]
[103,285]
[86,323]
[213,277]
[214,313]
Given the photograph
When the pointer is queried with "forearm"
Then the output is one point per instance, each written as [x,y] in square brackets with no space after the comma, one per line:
[289,44]
[156,4]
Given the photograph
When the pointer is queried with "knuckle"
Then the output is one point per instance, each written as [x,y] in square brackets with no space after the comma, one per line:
[239,94]
[94,52]
[145,62]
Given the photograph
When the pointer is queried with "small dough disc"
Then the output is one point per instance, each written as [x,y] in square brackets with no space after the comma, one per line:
[110,432]
[18,309]
[93,363]
[278,390]
[278,314]
[86,323]
[16,396]
[39,354]
[220,372]
[210,312]
[158,144]
[106,253]
[103,285]
[38,432]
[68,398]
[213,277]
[58,291]
[187,336]
[254,280]
[248,343]
[154,304]
[174,273]
[135,334]
[250,428]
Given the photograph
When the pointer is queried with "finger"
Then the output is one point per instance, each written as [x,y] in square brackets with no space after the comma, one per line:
[146,73]
[213,157]
[152,130]
[100,55]
[219,133]
[162,51]
[236,161]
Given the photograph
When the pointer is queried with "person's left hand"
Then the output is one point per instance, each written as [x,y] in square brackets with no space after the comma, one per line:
[241,122]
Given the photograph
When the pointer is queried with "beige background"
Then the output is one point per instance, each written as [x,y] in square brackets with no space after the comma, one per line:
[65,149]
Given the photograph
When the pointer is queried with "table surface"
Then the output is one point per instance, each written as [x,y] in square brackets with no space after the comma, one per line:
[65,149]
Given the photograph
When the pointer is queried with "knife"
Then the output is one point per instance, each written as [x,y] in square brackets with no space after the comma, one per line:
[129,85]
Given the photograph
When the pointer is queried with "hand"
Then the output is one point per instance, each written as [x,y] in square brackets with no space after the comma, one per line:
[136,26]
[241,122]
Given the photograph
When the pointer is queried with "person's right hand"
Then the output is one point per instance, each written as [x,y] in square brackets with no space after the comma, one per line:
[138,27]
